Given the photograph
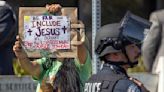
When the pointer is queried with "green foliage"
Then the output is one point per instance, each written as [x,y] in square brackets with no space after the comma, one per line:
[139,68]
[17,68]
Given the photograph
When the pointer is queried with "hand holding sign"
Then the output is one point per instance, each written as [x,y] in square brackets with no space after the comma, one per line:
[46,33]
[17,48]
[54,8]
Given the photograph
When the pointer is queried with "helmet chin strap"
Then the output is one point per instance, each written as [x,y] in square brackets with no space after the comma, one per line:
[121,63]
[131,64]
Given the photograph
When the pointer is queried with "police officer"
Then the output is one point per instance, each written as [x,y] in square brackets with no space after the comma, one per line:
[117,46]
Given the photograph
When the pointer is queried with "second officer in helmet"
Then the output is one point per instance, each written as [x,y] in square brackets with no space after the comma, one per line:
[117,45]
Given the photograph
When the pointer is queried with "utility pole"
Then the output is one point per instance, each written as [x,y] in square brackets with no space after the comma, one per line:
[96,24]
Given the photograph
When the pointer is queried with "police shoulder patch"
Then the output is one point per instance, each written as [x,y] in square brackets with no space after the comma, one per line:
[133,88]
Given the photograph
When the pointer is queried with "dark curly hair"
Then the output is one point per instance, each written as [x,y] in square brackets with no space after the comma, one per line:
[67,79]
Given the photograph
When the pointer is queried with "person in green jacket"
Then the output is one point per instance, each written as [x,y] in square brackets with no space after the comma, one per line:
[61,75]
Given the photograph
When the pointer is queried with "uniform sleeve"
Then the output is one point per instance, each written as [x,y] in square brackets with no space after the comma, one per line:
[151,42]
[126,85]
[133,88]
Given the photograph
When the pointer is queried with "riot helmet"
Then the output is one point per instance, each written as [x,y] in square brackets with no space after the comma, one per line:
[115,37]
[107,32]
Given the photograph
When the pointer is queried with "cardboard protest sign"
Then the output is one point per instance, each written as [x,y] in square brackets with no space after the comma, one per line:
[46,32]
[39,40]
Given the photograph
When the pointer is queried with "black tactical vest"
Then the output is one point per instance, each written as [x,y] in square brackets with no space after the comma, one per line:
[103,83]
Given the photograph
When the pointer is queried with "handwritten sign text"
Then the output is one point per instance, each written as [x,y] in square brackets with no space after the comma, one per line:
[46,32]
